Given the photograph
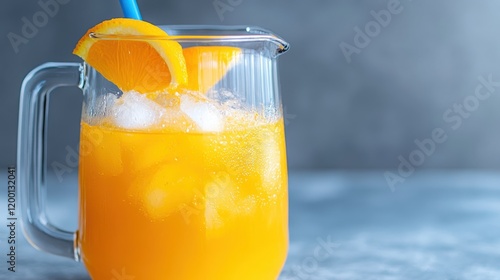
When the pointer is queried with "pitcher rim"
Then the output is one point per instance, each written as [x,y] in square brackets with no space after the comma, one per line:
[229,34]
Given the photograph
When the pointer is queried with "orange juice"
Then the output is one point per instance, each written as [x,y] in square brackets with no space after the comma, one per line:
[165,204]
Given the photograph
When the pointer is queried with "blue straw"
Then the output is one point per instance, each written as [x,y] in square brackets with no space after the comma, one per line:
[130,9]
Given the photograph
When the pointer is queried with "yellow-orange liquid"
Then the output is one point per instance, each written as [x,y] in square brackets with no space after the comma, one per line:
[173,205]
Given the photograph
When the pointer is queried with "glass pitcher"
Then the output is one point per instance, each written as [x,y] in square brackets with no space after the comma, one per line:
[184,184]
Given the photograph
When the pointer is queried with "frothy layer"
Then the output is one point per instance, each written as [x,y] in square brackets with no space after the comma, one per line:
[185,111]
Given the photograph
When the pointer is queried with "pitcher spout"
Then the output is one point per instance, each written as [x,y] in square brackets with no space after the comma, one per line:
[278,44]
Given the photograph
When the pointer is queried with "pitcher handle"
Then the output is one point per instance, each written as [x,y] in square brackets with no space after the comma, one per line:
[31,156]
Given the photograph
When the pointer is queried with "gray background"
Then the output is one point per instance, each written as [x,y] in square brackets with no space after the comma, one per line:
[357,115]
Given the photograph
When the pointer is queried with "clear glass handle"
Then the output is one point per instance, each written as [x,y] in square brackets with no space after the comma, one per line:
[31,156]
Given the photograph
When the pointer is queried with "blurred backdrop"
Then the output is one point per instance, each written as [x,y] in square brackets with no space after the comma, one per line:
[366,84]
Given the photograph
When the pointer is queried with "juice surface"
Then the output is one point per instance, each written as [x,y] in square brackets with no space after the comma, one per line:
[181,205]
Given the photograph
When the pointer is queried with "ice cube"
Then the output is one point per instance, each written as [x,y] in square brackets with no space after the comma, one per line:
[206,115]
[135,111]
[272,165]
[227,99]
[164,189]
[177,120]
[99,109]
[167,100]
[221,197]
[224,203]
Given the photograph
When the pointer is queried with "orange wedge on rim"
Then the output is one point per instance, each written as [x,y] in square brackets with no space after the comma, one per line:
[207,65]
[141,65]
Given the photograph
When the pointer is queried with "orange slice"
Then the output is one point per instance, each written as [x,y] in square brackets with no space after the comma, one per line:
[206,65]
[144,66]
